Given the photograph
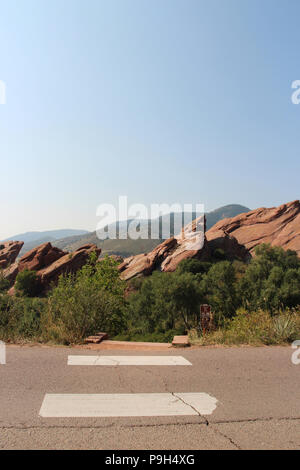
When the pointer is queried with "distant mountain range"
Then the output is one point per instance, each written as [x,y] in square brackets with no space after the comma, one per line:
[33,239]
[129,247]
[70,240]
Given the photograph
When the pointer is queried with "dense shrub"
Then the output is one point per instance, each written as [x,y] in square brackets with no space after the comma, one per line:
[165,301]
[193,266]
[4,283]
[271,281]
[27,283]
[82,304]
[20,317]
[219,285]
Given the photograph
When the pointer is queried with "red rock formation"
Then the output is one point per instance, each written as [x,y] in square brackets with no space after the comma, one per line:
[69,263]
[9,252]
[144,264]
[238,237]
[278,226]
[40,257]
[167,255]
[49,263]
[11,273]
[36,259]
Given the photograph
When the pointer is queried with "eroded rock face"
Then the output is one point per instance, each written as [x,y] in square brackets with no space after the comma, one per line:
[11,273]
[278,226]
[69,263]
[49,263]
[167,255]
[40,257]
[36,259]
[190,244]
[9,252]
[237,237]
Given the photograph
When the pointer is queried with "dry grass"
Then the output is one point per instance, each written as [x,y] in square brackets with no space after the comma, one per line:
[257,328]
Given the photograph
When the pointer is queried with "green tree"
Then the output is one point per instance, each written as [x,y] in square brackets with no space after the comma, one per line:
[193,266]
[219,285]
[166,301]
[271,280]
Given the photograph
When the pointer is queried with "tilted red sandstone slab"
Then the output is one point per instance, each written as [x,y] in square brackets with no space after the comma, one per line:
[49,263]
[190,244]
[35,259]
[11,273]
[167,255]
[9,252]
[40,257]
[69,263]
[279,226]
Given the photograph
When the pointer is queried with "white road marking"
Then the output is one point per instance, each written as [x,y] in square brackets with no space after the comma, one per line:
[128,361]
[122,405]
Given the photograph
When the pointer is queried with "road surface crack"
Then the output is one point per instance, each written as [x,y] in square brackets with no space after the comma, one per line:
[191,406]
[110,425]
[217,431]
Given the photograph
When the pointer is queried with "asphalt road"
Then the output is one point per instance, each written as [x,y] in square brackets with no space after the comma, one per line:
[257,390]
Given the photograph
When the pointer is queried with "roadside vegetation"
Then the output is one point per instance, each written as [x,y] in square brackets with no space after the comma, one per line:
[254,303]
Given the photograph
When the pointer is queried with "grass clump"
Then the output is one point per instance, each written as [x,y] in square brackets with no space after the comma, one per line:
[256,328]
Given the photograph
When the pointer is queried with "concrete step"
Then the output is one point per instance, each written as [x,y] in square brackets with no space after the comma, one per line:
[181,341]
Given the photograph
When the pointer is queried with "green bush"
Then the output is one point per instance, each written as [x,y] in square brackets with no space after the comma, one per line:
[165,301]
[193,266]
[20,318]
[271,281]
[82,304]
[4,283]
[27,283]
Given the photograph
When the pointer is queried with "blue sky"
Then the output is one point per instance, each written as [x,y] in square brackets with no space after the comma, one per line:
[164,101]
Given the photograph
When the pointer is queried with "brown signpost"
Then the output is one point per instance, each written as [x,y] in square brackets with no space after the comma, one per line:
[206,317]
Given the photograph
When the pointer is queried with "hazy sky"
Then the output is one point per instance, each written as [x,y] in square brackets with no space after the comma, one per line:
[161,100]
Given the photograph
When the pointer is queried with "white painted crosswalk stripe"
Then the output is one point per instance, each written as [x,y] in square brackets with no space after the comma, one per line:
[128,361]
[126,405]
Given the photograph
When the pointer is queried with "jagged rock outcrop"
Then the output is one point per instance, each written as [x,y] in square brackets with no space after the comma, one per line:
[49,263]
[278,226]
[167,255]
[237,237]
[34,260]
[9,252]
[40,257]
[11,273]
[69,263]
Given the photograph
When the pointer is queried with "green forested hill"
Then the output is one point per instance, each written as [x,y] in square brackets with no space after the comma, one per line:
[131,247]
